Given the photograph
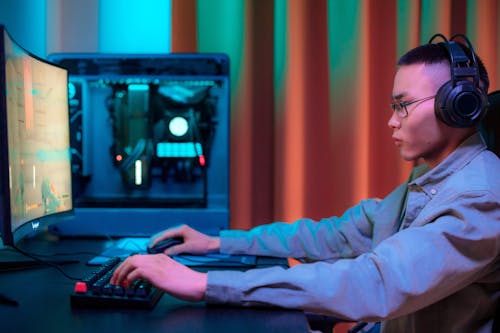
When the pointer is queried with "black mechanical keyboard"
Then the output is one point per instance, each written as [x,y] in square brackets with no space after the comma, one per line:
[95,290]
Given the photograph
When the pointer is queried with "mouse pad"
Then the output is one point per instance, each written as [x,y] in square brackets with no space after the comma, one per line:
[125,247]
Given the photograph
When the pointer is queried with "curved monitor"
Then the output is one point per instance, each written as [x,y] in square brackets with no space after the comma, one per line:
[35,169]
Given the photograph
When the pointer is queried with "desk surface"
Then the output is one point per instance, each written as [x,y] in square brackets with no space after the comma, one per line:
[44,305]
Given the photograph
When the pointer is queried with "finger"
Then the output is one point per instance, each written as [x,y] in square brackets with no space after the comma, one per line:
[177,249]
[118,274]
[156,238]
[133,276]
[115,278]
[173,232]
[121,272]
[146,272]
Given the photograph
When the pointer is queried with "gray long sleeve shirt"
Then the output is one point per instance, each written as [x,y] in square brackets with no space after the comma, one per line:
[437,269]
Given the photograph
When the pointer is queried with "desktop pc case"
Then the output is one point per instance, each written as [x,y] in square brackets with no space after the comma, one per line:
[149,142]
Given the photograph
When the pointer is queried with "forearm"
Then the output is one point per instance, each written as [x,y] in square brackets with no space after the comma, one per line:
[328,239]
[441,258]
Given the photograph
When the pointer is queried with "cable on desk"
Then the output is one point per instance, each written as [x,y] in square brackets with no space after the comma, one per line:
[58,254]
[47,263]
[6,300]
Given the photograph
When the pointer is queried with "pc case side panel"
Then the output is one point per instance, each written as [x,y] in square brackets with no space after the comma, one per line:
[122,110]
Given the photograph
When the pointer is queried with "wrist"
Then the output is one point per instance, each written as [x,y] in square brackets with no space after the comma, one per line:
[214,244]
[201,287]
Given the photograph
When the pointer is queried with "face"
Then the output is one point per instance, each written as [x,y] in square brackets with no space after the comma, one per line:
[420,135]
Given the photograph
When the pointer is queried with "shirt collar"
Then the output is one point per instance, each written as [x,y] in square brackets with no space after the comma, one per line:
[464,153]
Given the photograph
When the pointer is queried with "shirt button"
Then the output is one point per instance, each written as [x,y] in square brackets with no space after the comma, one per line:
[433,191]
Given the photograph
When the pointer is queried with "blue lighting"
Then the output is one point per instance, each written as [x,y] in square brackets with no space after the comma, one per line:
[26,21]
[134,26]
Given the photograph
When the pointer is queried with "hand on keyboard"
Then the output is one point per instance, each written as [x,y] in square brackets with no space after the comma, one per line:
[164,273]
[96,290]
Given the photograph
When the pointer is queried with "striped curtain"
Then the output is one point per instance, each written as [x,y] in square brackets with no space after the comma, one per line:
[311,81]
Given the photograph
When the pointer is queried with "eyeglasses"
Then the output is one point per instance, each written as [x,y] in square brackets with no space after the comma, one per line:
[400,107]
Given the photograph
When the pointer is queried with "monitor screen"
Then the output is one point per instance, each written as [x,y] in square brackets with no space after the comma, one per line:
[35,166]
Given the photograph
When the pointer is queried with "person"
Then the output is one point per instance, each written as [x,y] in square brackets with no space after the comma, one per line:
[422,259]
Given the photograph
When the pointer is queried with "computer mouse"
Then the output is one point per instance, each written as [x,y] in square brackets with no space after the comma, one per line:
[164,244]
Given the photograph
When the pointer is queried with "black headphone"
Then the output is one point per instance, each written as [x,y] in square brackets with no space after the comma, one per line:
[460,102]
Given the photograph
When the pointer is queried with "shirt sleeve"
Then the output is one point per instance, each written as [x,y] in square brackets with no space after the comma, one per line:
[411,269]
[330,238]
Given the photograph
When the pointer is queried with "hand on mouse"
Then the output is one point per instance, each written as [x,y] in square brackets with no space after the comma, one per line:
[164,273]
[194,242]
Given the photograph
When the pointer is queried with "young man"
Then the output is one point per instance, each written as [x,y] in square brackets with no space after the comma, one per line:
[423,259]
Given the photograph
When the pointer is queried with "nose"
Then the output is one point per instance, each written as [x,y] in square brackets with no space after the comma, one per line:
[394,121]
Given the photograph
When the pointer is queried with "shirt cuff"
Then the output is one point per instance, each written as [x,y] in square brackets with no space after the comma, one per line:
[231,242]
[221,288]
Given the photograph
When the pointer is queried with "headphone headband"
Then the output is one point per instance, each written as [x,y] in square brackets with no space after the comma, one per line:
[461,66]
[460,102]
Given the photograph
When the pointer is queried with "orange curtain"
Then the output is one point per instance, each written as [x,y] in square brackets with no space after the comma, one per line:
[311,81]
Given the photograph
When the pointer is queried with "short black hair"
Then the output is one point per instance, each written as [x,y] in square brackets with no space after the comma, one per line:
[437,53]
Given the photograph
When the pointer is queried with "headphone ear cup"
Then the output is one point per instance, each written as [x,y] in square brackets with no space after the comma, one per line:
[463,105]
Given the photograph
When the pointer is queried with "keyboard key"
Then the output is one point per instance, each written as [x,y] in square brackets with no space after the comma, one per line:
[95,291]
[81,287]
